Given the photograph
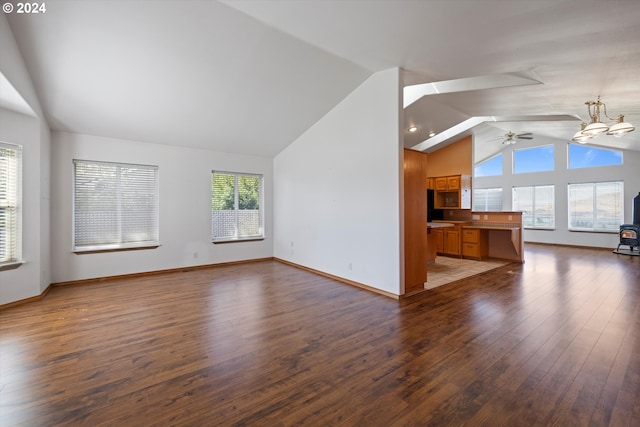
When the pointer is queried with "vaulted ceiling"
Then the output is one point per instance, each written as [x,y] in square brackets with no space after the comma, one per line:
[251,76]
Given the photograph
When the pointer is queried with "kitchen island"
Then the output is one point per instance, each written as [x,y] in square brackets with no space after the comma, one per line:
[494,235]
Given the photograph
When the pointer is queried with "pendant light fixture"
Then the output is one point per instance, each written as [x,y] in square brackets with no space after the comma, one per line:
[580,136]
[620,128]
[597,127]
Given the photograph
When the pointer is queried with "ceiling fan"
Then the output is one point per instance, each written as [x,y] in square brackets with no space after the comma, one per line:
[512,137]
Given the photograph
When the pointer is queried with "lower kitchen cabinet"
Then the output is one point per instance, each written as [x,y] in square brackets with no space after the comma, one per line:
[437,237]
[474,244]
[452,241]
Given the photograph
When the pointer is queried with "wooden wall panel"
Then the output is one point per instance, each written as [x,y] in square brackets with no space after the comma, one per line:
[415,220]
[454,159]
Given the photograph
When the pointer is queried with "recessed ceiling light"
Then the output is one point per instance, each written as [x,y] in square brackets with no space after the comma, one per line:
[432,134]
[413,129]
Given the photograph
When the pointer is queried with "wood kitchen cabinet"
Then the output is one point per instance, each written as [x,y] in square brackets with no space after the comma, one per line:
[449,242]
[430,184]
[437,237]
[452,241]
[474,243]
[452,192]
[444,183]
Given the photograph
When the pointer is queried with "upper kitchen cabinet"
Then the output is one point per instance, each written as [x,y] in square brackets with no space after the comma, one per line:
[452,192]
[444,183]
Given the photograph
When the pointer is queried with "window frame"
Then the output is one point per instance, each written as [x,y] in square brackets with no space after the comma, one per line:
[533,202]
[13,203]
[594,184]
[152,222]
[236,210]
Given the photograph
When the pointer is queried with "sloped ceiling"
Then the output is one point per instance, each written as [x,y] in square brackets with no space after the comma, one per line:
[194,73]
[251,76]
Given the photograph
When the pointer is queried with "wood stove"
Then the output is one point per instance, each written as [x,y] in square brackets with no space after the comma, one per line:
[630,233]
[630,236]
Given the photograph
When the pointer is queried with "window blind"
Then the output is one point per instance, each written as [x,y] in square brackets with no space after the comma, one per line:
[10,173]
[115,205]
[236,206]
[487,199]
[596,206]
[537,204]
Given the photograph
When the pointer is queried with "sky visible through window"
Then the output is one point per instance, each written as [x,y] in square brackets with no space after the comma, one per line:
[491,167]
[541,159]
[587,156]
[536,159]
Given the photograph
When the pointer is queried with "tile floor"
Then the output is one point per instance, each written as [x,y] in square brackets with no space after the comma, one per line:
[446,270]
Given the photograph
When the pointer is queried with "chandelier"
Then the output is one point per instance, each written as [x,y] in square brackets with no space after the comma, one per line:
[597,127]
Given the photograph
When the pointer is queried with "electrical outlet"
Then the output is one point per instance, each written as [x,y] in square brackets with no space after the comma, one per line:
[350,266]
[195,255]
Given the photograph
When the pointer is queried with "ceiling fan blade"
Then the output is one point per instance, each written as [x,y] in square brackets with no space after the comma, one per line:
[524,134]
[525,137]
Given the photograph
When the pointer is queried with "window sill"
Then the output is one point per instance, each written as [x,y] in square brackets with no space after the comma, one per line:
[245,239]
[539,228]
[11,265]
[101,249]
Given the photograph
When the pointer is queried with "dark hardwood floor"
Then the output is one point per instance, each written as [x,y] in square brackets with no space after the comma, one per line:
[555,341]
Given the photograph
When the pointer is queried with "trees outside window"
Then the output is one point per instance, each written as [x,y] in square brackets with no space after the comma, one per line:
[236,206]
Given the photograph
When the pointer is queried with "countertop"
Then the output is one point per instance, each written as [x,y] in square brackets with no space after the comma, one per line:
[491,227]
[439,224]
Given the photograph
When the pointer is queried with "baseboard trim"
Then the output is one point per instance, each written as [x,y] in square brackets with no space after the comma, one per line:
[156,272]
[127,276]
[34,298]
[565,245]
[340,279]
[196,267]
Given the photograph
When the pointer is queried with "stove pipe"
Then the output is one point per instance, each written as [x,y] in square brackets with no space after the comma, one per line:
[636,209]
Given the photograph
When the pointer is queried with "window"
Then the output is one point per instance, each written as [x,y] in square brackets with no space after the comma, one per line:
[537,205]
[536,159]
[487,199]
[236,206]
[115,206]
[10,200]
[588,156]
[490,167]
[596,206]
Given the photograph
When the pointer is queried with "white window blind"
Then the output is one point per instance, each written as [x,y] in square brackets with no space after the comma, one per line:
[236,206]
[115,206]
[596,206]
[10,181]
[487,199]
[537,204]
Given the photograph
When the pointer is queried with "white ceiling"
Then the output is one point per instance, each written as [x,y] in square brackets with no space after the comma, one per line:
[251,76]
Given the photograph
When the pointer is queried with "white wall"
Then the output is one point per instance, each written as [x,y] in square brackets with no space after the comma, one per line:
[32,132]
[629,172]
[185,207]
[337,189]
[24,281]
